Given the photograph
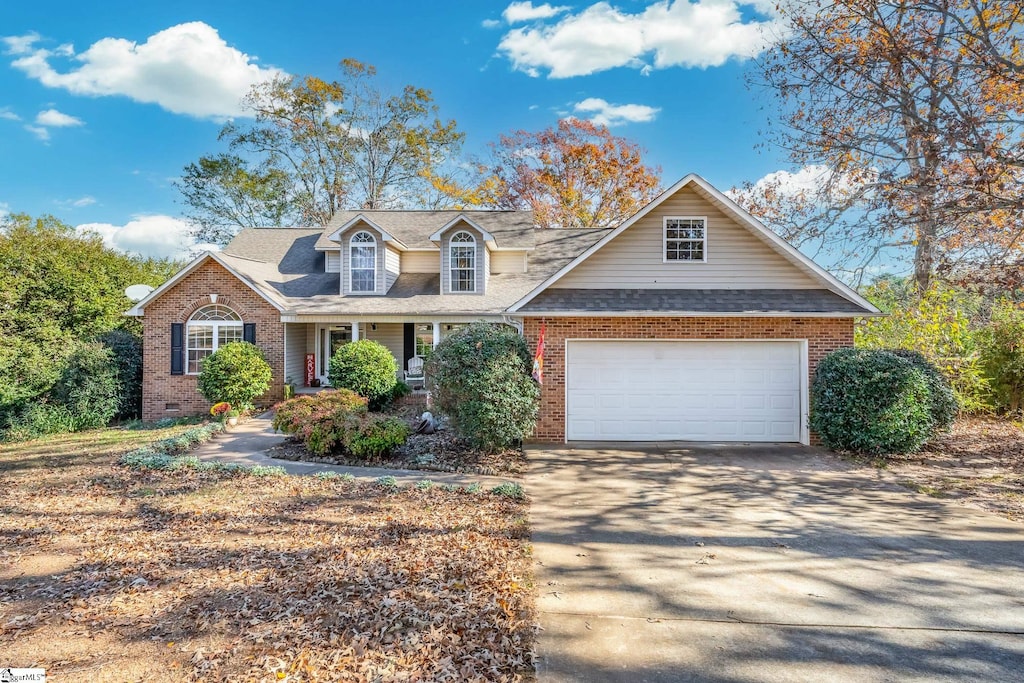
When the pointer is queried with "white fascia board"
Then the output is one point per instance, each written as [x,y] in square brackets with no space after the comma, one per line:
[137,309]
[487,237]
[830,281]
[360,218]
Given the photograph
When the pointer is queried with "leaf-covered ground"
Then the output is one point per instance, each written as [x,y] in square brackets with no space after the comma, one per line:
[113,574]
[981,462]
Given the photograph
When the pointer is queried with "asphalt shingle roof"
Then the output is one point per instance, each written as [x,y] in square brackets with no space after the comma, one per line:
[511,229]
[598,301]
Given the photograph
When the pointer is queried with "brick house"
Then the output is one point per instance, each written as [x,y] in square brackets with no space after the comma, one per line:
[689,321]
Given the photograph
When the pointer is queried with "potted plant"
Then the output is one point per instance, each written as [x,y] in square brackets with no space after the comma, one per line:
[221,410]
[232,416]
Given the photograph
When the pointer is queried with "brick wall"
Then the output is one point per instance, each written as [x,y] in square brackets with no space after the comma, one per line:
[167,395]
[823,335]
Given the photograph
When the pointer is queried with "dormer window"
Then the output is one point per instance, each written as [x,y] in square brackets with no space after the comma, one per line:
[363,262]
[462,260]
[686,238]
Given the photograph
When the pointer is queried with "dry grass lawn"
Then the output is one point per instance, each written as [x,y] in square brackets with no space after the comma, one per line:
[109,574]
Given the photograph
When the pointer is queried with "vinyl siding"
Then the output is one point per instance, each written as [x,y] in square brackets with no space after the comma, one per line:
[295,338]
[332,262]
[392,267]
[421,262]
[388,334]
[508,262]
[736,258]
[346,260]
[481,260]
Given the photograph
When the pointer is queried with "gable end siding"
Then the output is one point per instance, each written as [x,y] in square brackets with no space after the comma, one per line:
[481,259]
[346,260]
[736,259]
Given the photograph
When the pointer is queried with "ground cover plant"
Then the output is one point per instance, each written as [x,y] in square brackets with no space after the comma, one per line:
[111,572]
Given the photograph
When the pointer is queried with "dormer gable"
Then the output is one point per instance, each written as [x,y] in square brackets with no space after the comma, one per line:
[465,256]
[370,258]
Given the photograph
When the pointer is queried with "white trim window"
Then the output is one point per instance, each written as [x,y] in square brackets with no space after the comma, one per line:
[362,262]
[462,262]
[686,238]
[209,328]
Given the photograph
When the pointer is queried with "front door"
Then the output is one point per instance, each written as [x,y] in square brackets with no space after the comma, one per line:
[332,338]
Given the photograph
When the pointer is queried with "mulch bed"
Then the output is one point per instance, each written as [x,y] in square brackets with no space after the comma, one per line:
[442,451]
[981,462]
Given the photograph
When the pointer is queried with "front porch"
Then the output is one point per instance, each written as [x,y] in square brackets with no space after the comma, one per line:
[309,345]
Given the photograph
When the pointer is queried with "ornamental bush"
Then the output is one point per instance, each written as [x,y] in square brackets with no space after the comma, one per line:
[236,373]
[126,350]
[480,378]
[367,368]
[88,387]
[377,436]
[871,401]
[943,403]
[337,422]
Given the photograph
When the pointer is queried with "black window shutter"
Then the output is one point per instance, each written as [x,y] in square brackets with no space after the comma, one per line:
[409,344]
[177,350]
[249,333]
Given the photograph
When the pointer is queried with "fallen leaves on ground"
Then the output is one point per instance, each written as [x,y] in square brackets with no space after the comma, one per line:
[210,576]
[981,461]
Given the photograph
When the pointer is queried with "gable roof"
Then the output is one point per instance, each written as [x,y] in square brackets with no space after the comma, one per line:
[732,209]
[335,236]
[509,229]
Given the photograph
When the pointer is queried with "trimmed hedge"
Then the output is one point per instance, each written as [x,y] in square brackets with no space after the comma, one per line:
[872,402]
[236,373]
[942,399]
[367,368]
[480,378]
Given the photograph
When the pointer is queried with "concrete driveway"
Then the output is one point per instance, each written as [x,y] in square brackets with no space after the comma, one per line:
[672,562]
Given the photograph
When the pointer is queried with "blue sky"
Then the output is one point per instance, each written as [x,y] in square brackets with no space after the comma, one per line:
[100,110]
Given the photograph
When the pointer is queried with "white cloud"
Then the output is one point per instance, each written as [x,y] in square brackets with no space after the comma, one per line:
[40,132]
[6,113]
[5,210]
[20,45]
[79,203]
[186,69]
[815,183]
[604,113]
[55,119]
[684,33]
[157,236]
[518,12]
[490,23]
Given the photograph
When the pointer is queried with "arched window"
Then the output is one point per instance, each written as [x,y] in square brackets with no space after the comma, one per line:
[363,263]
[209,328]
[462,262]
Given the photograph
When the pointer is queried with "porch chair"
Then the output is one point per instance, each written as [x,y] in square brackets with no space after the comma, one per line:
[414,373]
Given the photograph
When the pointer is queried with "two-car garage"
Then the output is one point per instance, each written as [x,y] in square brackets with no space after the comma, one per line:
[667,390]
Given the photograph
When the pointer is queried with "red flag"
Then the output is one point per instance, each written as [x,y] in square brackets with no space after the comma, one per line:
[538,359]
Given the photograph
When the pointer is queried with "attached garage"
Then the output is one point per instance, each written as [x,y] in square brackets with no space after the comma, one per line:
[686,390]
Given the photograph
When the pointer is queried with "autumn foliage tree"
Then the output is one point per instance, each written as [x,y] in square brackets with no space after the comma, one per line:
[920,104]
[314,147]
[573,175]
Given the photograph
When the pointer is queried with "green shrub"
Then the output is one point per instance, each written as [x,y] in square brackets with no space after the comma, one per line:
[1003,356]
[936,324]
[480,378]
[126,349]
[377,436]
[236,373]
[868,401]
[401,389]
[509,489]
[38,419]
[324,421]
[942,401]
[88,386]
[367,368]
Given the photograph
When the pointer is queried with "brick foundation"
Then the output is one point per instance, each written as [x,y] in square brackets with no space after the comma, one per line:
[823,336]
[167,395]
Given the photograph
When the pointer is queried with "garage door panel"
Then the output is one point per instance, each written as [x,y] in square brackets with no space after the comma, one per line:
[685,390]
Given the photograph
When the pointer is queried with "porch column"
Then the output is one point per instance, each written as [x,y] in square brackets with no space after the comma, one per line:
[437,332]
[355,331]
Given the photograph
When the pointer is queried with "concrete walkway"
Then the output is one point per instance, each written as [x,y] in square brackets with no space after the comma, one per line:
[676,562]
[248,443]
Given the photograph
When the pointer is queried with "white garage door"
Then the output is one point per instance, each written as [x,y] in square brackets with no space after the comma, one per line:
[683,390]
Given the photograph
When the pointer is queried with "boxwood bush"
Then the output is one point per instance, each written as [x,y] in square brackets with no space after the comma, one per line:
[236,373]
[871,401]
[367,368]
[480,378]
[942,400]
